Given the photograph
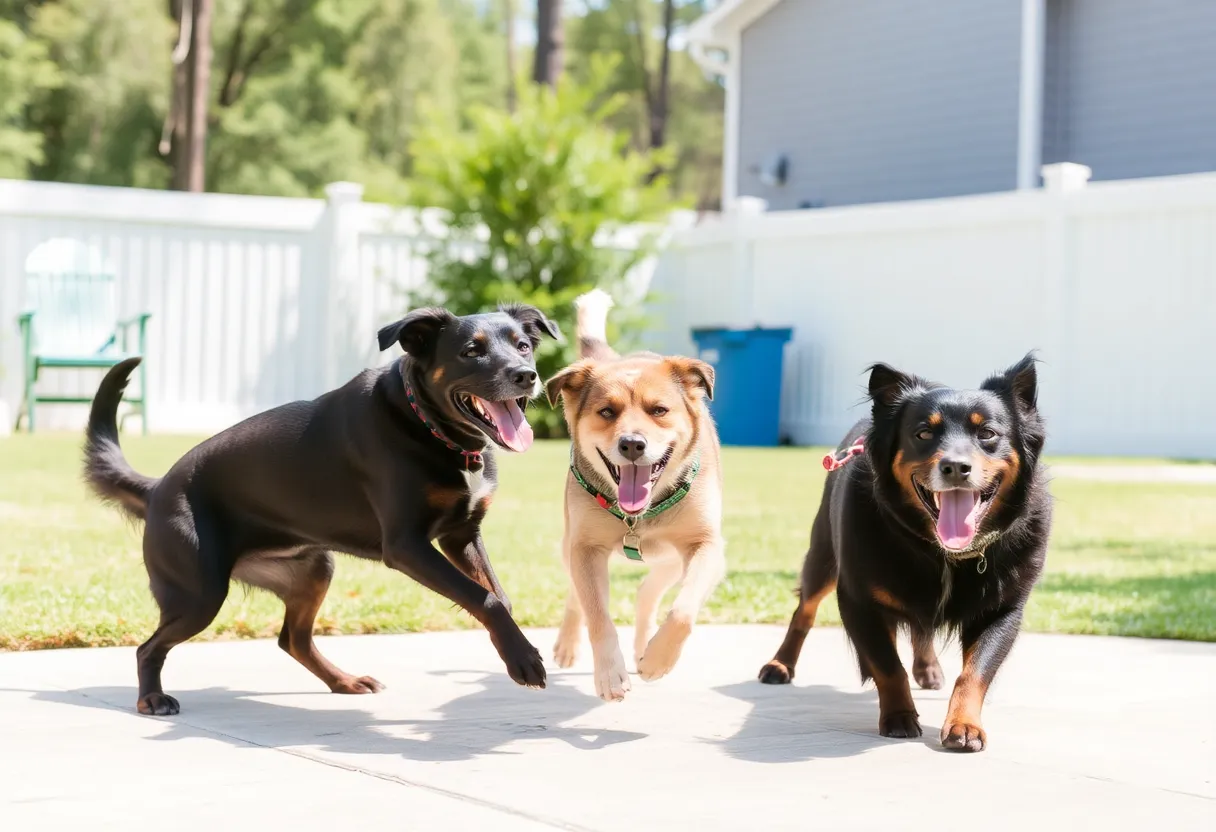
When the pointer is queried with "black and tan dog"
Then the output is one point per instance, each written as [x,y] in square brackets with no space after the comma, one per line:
[397,458]
[938,518]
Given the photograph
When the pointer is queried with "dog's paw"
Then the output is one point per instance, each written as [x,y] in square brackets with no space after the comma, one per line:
[664,649]
[565,651]
[158,704]
[525,666]
[611,677]
[523,661]
[357,684]
[776,673]
[901,725]
[928,676]
[963,736]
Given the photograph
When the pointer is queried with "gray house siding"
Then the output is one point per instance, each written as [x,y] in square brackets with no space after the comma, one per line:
[880,100]
[1131,86]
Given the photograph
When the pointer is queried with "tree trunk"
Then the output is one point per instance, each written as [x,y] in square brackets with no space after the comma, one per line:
[508,15]
[658,115]
[199,82]
[173,137]
[549,42]
[191,94]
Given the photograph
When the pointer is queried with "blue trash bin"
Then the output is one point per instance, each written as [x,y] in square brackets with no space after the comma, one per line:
[747,386]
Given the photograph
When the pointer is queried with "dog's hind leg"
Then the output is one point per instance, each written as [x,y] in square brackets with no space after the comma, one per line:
[565,649]
[189,584]
[662,576]
[301,581]
[872,633]
[925,668]
[569,634]
[819,572]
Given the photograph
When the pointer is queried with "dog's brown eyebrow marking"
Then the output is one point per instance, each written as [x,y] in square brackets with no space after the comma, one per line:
[935,419]
[977,418]
[480,336]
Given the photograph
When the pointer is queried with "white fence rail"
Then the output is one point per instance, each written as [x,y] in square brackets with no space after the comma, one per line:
[1114,283]
[255,300]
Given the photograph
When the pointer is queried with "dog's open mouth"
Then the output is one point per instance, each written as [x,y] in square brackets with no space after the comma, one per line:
[504,421]
[957,513]
[634,483]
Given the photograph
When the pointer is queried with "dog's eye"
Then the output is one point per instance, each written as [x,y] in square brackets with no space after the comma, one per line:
[924,434]
[524,348]
[659,410]
[987,434]
[607,412]
[471,351]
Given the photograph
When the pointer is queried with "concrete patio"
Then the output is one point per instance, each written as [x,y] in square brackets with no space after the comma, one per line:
[1094,733]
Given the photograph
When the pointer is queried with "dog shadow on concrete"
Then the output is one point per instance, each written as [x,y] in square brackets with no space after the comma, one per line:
[494,713]
[795,723]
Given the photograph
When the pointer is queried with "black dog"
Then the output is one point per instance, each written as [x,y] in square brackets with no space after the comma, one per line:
[940,520]
[378,468]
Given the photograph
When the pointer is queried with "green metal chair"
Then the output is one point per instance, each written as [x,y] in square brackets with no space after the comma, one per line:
[71,323]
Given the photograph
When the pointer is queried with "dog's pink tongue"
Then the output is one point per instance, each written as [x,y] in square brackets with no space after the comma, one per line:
[956,520]
[634,491]
[513,427]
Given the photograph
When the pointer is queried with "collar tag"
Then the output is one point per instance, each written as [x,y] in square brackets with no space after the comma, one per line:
[632,544]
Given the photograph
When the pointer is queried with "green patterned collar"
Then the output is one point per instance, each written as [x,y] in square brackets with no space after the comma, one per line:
[632,544]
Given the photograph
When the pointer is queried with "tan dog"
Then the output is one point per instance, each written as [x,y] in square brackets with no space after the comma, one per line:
[645,481]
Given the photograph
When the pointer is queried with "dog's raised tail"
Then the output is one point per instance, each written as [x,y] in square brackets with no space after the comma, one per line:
[105,468]
[592,327]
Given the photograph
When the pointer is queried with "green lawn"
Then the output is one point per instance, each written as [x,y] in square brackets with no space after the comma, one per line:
[1126,559]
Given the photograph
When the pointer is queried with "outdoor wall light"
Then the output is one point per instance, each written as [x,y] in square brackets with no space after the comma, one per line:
[775,172]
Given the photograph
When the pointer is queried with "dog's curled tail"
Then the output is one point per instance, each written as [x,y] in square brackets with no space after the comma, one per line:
[105,468]
[592,327]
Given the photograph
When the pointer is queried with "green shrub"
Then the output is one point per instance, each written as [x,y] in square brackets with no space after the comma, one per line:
[530,199]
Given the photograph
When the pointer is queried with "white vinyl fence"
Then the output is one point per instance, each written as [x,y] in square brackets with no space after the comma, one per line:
[255,301]
[1113,283]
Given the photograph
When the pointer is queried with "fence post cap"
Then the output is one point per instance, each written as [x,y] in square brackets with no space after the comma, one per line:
[748,206]
[344,192]
[1066,176]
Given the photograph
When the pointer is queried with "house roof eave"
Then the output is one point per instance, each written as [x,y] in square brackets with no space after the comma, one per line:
[720,28]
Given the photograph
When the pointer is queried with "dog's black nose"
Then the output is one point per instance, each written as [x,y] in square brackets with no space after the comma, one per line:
[631,446]
[523,377]
[955,471]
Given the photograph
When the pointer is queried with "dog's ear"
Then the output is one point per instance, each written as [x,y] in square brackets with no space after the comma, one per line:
[888,385]
[1019,386]
[569,381]
[417,331]
[696,376]
[533,321]
[1020,382]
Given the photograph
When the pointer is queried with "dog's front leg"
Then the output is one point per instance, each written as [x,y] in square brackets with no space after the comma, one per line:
[589,574]
[705,567]
[986,643]
[424,563]
[470,555]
